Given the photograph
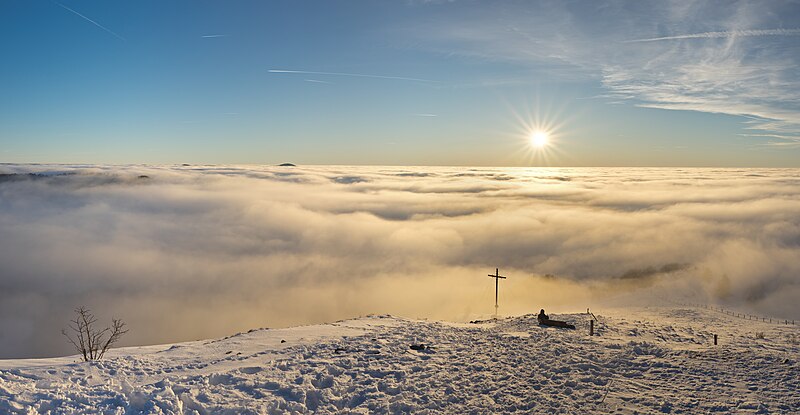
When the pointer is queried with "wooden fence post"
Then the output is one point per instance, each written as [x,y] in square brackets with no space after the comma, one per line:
[591,327]
[715,340]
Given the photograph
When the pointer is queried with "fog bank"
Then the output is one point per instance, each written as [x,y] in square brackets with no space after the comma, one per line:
[188,252]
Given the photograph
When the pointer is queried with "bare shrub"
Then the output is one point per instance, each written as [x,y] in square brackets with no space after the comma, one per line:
[91,342]
[760,335]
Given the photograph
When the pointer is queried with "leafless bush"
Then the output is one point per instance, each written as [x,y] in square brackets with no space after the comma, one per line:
[760,335]
[90,342]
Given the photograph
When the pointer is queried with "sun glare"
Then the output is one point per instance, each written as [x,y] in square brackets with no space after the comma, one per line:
[539,132]
[539,139]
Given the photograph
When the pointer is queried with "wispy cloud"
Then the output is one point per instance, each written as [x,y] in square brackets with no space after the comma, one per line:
[777,140]
[317,81]
[358,75]
[425,115]
[92,22]
[779,136]
[738,71]
[784,144]
[213,36]
[727,34]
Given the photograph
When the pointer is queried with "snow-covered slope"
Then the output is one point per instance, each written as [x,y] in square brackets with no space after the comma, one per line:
[642,360]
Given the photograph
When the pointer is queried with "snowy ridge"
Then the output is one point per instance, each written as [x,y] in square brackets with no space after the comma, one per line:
[644,360]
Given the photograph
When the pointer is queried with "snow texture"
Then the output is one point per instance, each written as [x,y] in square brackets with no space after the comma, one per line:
[640,361]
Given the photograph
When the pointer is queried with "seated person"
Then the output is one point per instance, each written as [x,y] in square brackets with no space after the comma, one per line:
[542,317]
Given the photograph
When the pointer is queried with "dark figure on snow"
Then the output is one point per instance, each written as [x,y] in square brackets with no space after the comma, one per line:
[544,320]
[542,317]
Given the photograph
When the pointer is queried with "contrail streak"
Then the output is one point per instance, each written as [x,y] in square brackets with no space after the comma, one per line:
[402,78]
[731,33]
[92,22]
[213,36]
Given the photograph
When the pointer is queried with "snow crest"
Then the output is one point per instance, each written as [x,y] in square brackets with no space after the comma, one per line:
[651,360]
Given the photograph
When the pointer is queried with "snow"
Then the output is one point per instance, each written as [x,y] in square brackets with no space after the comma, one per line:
[642,360]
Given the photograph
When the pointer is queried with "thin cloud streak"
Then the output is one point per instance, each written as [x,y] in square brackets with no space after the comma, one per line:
[358,75]
[92,22]
[725,34]
[213,36]
[785,144]
[780,136]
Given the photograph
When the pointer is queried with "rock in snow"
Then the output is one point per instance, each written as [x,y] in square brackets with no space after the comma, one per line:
[646,360]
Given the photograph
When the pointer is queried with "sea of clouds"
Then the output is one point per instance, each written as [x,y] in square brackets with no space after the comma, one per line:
[189,252]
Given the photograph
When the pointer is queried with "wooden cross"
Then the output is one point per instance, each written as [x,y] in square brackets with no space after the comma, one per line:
[496,277]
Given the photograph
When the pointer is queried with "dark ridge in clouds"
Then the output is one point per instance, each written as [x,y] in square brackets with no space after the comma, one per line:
[413,174]
[203,251]
[349,179]
[635,274]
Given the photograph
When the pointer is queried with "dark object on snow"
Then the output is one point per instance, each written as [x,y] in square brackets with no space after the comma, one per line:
[420,346]
[544,320]
[286,165]
[283,341]
[542,316]
[556,323]
[144,177]
[346,350]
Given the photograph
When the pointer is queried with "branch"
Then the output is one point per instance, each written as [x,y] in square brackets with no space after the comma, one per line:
[116,332]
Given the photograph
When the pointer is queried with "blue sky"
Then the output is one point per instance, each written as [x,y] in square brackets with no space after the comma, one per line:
[449,83]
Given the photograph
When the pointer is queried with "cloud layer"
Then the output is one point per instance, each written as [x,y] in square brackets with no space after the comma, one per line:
[197,251]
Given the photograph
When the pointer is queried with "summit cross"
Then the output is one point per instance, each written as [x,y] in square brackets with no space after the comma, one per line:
[496,277]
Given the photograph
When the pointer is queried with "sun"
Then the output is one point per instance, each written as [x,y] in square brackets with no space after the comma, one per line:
[539,138]
[539,132]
